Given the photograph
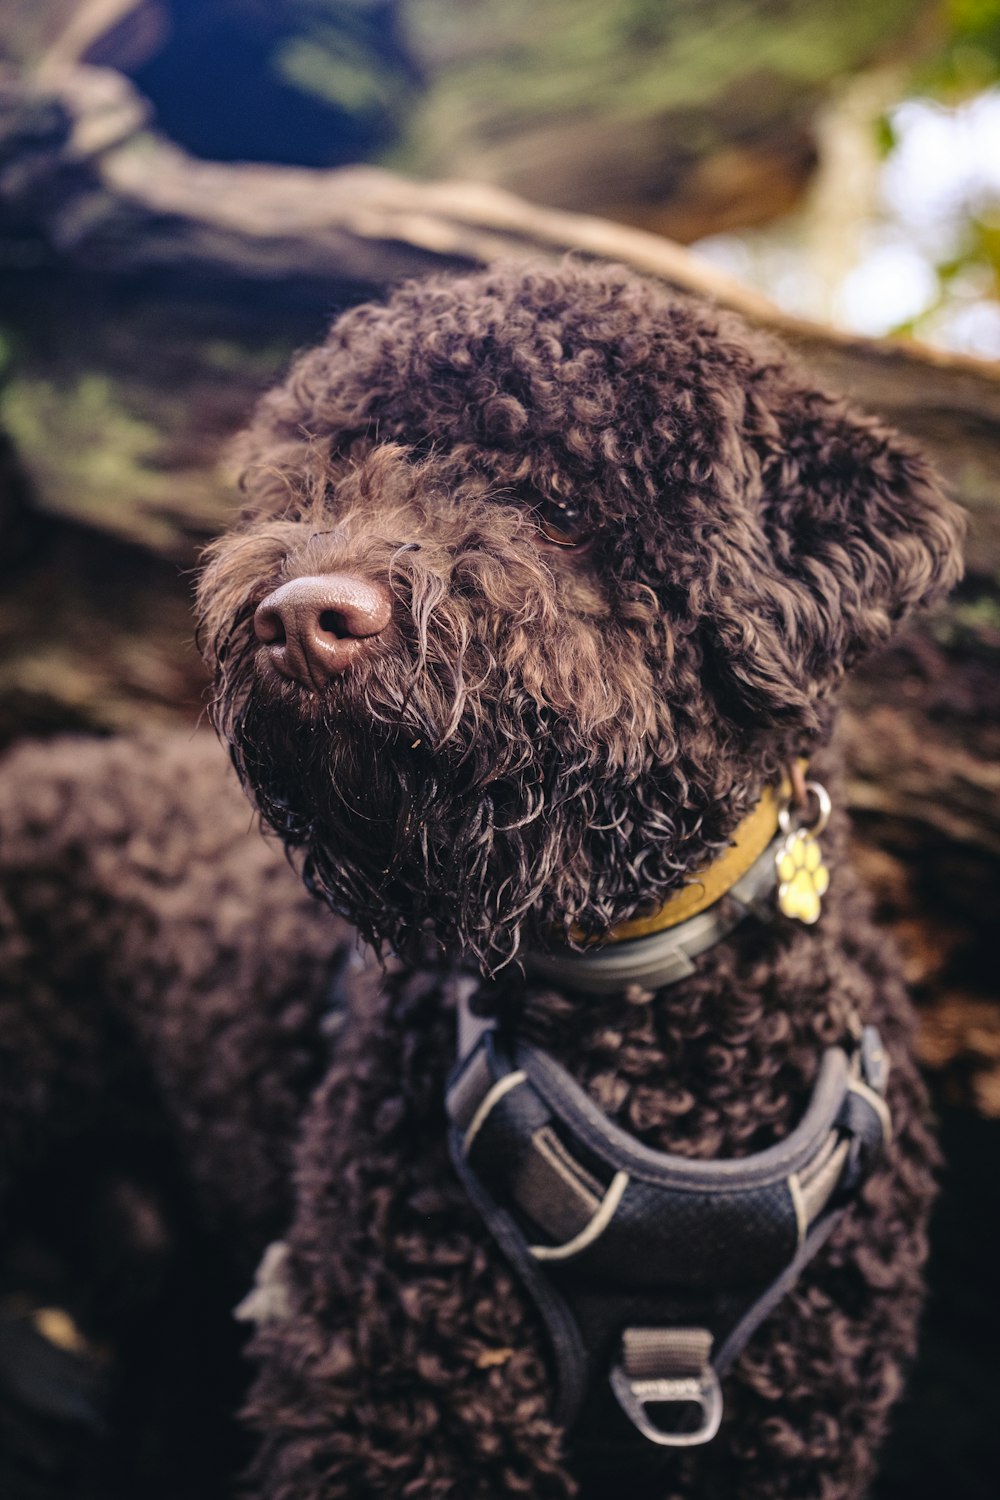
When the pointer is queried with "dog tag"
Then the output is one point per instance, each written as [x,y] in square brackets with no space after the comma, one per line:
[803,879]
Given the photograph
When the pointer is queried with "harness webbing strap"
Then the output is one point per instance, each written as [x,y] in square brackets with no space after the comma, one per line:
[651,1352]
[649,1269]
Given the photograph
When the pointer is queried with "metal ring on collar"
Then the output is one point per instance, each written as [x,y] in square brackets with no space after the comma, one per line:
[824,806]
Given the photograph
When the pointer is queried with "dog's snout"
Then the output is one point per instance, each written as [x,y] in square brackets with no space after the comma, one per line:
[315,627]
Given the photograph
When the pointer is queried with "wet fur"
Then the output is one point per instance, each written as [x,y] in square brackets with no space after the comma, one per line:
[539,744]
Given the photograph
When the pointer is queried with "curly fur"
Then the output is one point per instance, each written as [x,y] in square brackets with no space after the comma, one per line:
[541,743]
[598,734]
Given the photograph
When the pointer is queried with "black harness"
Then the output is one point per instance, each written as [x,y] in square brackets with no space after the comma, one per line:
[652,1271]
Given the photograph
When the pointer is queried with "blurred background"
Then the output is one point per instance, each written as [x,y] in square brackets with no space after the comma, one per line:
[190,189]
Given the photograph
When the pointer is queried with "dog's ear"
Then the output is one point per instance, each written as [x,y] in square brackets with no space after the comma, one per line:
[846,530]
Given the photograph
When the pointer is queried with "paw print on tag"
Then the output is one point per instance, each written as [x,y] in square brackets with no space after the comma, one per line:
[804,877]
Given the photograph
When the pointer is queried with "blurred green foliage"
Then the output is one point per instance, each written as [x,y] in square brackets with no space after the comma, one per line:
[965,63]
[493,68]
[93,455]
[969,57]
[348,54]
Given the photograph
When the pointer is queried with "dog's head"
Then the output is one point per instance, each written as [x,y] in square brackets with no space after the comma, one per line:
[541,575]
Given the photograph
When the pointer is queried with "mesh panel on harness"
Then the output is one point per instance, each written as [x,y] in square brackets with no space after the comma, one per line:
[652,1271]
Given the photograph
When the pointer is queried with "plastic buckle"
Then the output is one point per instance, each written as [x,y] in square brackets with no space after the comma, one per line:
[700,1390]
[874,1060]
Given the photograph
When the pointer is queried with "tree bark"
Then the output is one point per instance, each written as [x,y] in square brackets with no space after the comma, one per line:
[82,180]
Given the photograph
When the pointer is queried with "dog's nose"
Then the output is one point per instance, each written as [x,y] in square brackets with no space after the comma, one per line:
[315,627]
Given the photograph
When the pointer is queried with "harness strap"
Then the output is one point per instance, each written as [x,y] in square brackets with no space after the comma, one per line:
[652,1271]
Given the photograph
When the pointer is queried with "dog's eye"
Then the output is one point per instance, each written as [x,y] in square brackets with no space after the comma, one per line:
[560,523]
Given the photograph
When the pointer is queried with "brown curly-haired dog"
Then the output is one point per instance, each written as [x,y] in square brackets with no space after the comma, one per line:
[543,576]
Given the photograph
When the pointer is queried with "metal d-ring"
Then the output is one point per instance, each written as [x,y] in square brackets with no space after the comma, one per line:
[702,1390]
[824,806]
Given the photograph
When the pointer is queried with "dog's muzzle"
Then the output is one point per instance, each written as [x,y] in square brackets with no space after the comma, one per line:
[315,628]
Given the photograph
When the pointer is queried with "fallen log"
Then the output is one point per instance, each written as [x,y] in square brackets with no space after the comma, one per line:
[83,180]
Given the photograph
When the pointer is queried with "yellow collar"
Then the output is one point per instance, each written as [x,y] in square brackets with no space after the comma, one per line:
[749,840]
